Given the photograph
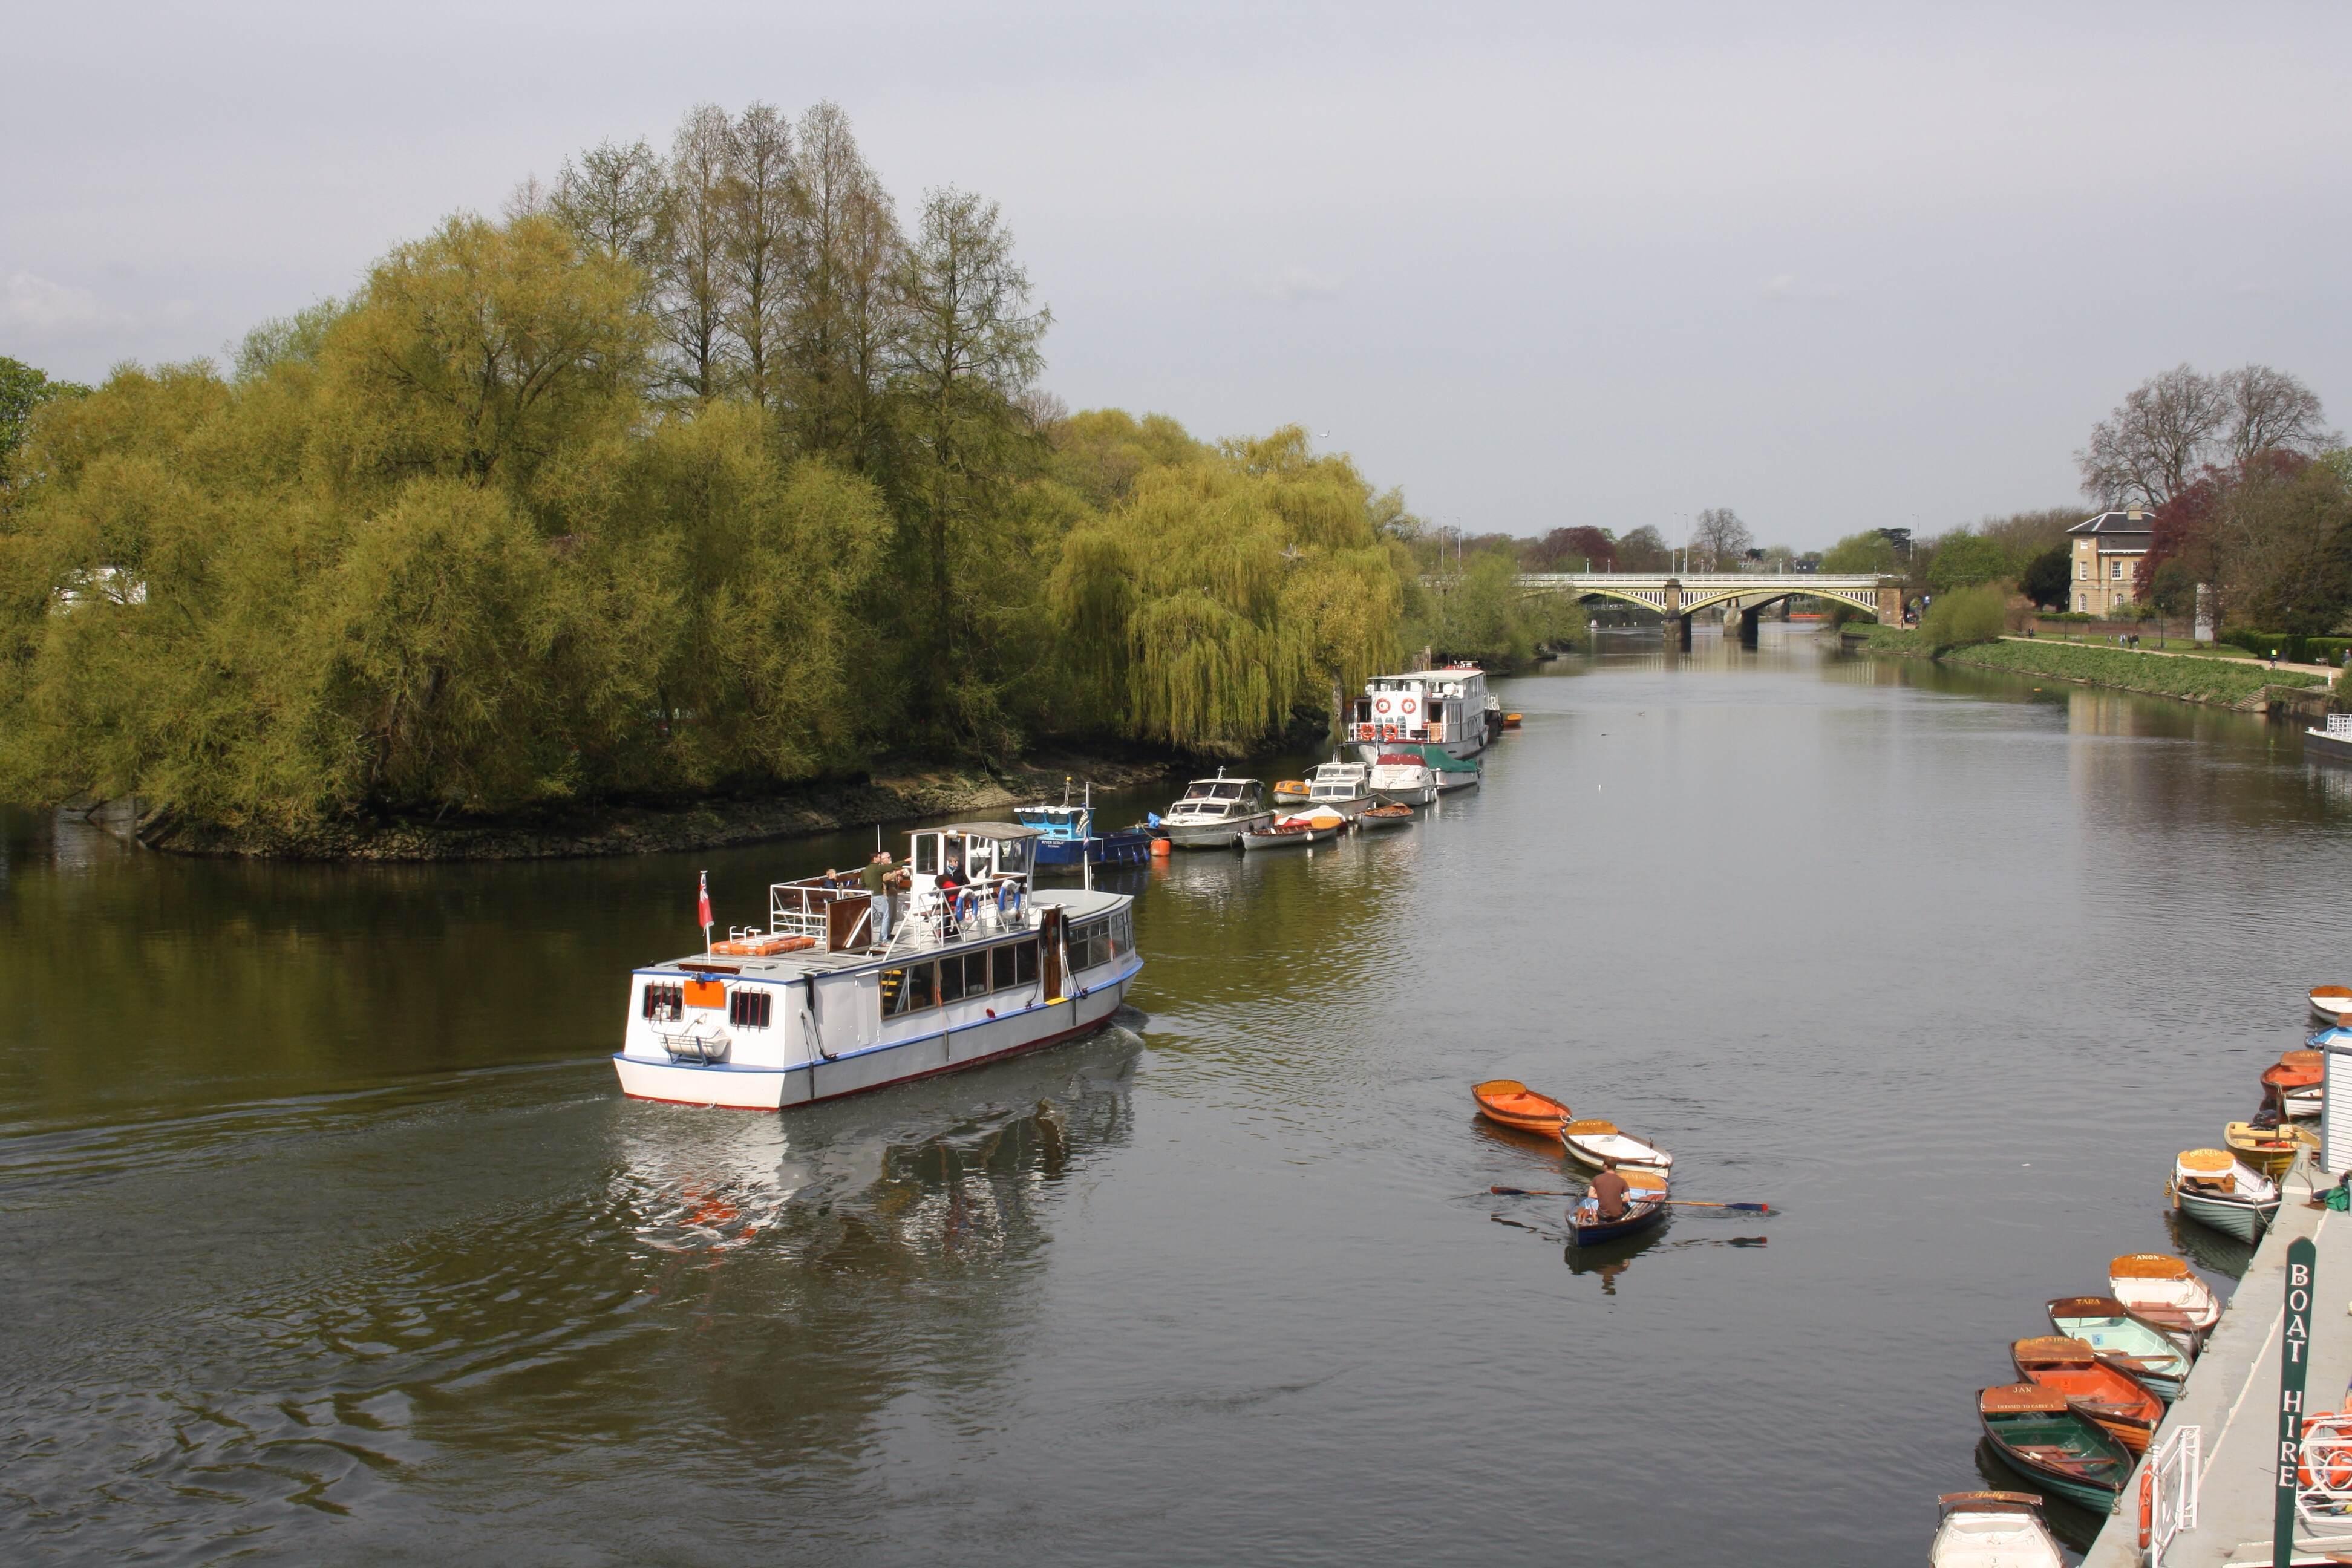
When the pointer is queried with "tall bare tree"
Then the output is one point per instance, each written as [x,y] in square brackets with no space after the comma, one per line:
[2150,447]
[1720,537]
[613,197]
[759,204]
[697,295]
[2271,411]
[844,316]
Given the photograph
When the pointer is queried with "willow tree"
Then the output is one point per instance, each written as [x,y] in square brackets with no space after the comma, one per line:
[1224,590]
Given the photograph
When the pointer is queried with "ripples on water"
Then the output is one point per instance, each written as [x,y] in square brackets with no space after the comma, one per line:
[329,1238]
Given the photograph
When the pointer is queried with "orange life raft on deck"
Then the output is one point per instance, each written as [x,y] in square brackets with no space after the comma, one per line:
[761,947]
[1513,1104]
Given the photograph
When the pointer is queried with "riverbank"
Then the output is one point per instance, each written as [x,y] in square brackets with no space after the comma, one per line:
[650,829]
[2243,684]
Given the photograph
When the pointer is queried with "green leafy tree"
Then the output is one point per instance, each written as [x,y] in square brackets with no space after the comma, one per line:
[24,389]
[1965,560]
[2046,578]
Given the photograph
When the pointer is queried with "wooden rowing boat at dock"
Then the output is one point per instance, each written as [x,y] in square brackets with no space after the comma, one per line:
[2158,1287]
[2210,1186]
[2130,1345]
[2113,1398]
[1992,1530]
[2039,1434]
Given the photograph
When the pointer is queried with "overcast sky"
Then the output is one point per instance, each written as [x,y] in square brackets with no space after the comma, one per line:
[1834,266]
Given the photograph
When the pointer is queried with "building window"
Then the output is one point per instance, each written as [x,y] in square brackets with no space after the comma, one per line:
[2116,570]
[2081,603]
[750,1009]
[2082,568]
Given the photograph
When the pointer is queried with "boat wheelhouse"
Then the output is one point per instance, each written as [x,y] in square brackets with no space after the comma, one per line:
[1343,787]
[816,1006]
[1445,709]
[1215,813]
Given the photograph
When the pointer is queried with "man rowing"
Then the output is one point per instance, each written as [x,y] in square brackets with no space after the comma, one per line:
[1604,1199]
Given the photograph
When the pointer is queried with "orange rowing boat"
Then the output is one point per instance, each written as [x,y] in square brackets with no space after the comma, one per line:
[1519,1108]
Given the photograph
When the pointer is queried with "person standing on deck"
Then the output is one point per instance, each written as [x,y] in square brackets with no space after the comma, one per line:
[877,890]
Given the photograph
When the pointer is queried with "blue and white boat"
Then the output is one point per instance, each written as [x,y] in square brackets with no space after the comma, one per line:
[978,966]
[1067,836]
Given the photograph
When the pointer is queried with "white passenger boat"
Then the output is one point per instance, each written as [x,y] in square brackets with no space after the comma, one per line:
[1343,787]
[814,1007]
[2333,742]
[1215,813]
[1402,777]
[2212,1188]
[1441,709]
[1994,1529]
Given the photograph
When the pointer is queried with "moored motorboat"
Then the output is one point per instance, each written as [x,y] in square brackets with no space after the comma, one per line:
[1289,792]
[1381,817]
[1592,1140]
[2039,1434]
[2114,1399]
[1214,813]
[2331,1004]
[2333,742]
[2296,1082]
[2210,1186]
[1343,787]
[1511,721]
[2130,1345]
[1992,1530]
[1645,1207]
[2160,1287]
[1067,835]
[1404,777]
[1512,1104]
[2268,1143]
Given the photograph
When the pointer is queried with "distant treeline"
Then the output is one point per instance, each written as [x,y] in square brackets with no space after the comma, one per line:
[693,472]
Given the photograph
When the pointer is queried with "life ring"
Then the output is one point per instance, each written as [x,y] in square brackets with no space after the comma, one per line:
[2329,1437]
[1406,705]
[1381,705]
[1388,732]
[2146,1506]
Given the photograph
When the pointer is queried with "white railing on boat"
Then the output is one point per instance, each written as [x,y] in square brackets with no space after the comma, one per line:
[2340,724]
[804,908]
[2171,1478]
[936,919]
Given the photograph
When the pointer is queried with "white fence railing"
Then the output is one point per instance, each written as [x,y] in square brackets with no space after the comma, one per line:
[2171,1481]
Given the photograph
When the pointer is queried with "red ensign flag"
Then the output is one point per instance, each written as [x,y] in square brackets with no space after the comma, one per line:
[702,916]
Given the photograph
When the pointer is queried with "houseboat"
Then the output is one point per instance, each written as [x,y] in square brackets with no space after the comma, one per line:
[1444,709]
[1215,813]
[816,1006]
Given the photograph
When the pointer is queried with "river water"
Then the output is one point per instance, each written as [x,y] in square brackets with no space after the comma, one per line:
[328,1237]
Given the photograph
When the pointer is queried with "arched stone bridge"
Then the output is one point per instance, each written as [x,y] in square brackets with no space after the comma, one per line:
[1678,596]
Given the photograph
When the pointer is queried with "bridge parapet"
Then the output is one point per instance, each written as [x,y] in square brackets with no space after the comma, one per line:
[1680,594]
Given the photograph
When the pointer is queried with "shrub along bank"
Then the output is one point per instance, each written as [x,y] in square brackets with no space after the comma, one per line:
[2228,683]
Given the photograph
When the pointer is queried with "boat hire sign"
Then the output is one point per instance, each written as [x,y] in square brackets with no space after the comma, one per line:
[2295,1366]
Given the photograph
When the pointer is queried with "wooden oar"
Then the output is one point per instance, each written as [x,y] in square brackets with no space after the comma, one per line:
[1630,1197]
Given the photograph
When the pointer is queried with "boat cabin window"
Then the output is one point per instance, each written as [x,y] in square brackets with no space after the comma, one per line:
[665,1004]
[1001,967]
[909,990]
[1225,791]
[750,1009]
[1013,858]
[950,980]
[1025,963]
[1099,941]
[927,853]
[975,975]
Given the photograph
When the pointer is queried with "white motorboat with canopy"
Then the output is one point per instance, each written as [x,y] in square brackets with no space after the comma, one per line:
[813,1006]
[1343,787]
[1215,813]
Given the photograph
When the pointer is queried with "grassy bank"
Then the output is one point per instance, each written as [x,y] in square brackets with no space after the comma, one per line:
[2226,682]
